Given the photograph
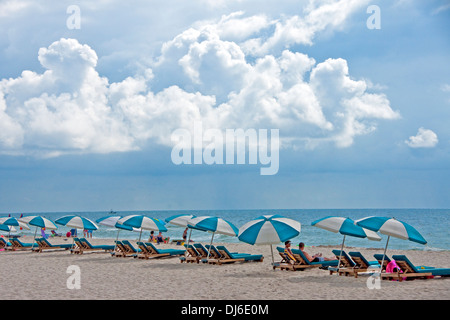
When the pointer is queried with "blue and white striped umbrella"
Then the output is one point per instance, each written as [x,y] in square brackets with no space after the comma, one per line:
[214,225]
[347,227]
[143,223]
[39,221]
[11,221]
[77,222]
[180,220]
[391,227]
[269,229]
[7,228]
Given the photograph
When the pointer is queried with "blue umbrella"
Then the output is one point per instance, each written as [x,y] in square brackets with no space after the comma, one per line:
[269,229]
[214,225]
[346,227]
[391,227]
[38,222]
[143,222]
[77,222]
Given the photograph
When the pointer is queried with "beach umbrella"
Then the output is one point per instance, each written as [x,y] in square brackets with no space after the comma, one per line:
[180,220]
[13,222]
[38,222]
[142,222]
[7,228]
[346,227]
[269,230]
[391,227]
[77,222]
[214,225]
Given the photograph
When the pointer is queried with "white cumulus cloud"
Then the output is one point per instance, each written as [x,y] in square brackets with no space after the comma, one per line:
[204,73]
[425,138]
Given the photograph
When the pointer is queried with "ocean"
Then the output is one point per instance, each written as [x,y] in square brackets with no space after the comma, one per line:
[433,224]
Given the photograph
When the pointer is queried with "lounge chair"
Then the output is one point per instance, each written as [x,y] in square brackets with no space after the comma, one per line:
[239,257]
[43,244]
[361,264]
[192,254]
[201,249]
[410,271]
[215,257]
[300,262]
[4,244]
[379,258]
[83,245]
[126,249]
[148,250]
[16,244]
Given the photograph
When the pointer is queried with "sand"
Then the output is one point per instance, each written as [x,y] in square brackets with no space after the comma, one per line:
[30,275]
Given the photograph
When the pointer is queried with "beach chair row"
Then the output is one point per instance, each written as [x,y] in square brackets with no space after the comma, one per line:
[216,255]
[354,263]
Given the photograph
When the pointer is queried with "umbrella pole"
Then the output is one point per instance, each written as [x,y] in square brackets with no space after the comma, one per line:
[340,254]
[384,254]
[189,240]
[209,250]
[34,239]
[273,262]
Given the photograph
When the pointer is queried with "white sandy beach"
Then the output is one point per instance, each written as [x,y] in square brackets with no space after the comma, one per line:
[29,275]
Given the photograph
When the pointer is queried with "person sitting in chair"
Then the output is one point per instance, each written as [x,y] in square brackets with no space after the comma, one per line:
[315,258]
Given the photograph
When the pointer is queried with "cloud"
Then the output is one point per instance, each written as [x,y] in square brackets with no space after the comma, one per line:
[204,73]
[424,138]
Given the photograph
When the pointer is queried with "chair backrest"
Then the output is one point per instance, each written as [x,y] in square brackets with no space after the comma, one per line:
[192,251]
[144,248]
[214,252]
[359,259]
[42,242]
[404,263]
[346,261]
[127,244]
[224,252]
[300,257]
[201,249]
[152,248]
[86,243]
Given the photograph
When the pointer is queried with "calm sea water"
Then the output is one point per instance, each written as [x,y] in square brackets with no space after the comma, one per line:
[433,224]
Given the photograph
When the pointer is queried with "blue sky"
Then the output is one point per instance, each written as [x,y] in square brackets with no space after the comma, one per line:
[86,114]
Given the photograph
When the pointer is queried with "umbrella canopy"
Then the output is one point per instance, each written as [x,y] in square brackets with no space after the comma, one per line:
[78,222]
[213,224]
[269,229]
[7,228]
[392,227]
[180,220]
[345,226]
[11,221]
[143,222]
[39,221]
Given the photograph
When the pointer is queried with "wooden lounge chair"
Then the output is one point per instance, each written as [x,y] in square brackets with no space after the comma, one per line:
[125,249]
[82,245]
[410,271]
[239,257]
[16,244]
[148,250]
[4,244]
[44,244]
[300,262]
[216,257]
[379,258]
[192,255]
[362,265]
